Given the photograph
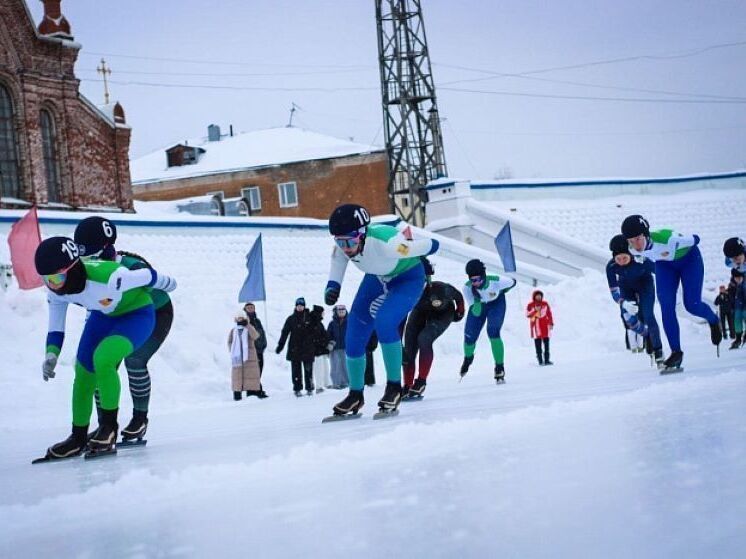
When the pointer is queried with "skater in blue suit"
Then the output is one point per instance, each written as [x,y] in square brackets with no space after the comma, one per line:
[632,287]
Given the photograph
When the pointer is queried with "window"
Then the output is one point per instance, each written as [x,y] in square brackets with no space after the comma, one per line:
[10,178]
[51,163]
[288,194]
[254,196]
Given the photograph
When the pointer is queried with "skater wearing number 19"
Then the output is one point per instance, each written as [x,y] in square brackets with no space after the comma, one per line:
[121,319]
[392,285]
[485,298]
[677,261]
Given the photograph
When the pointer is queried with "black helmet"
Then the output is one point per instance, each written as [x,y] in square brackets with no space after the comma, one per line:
[429,270]
[635,225]
[475,268]
[733,247]
[95,233]
[55,254]
[618,245]
[348,218]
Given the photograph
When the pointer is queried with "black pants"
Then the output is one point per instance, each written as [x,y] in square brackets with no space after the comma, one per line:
[537,345]
[260,357]
[421,332]
[727,319]
[298,379]
[370,371]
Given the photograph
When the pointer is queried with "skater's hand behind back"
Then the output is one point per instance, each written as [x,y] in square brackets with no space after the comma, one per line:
[47,368]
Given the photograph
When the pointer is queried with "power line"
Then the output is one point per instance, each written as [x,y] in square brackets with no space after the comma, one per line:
[606,133]
[229,75]
[236,87]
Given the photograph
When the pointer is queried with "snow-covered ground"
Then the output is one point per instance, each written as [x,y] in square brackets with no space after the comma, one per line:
[597,456]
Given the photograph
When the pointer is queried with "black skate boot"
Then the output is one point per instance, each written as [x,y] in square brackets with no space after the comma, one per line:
[137,427]
[500,373]
[351,404]
[104,440]
[673,363]
[405,391]
[417,390]
[737,342]
[465,365]
[389,403]
[716,336]
[71,447]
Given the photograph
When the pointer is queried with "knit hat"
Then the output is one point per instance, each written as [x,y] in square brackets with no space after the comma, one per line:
[300,301]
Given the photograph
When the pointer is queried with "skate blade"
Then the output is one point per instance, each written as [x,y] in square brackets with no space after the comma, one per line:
[333,418]
[499,381]
[131,442]
[45,459]
[95,454]
[384,414]
[412,398]
[672,371]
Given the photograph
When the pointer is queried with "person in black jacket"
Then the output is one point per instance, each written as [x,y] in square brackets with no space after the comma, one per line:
[261,342]
[321,349]
[299,329]
[725,306]
[439,306]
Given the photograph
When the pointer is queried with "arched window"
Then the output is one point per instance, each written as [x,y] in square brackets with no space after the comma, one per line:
[51,164]
[10,176]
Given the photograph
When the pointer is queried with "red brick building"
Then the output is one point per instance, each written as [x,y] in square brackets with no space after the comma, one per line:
[57,149]
[279,171]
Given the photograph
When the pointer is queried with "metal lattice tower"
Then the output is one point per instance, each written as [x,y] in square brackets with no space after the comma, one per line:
[410,113]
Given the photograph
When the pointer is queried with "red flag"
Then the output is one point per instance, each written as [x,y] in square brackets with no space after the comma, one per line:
[23,239]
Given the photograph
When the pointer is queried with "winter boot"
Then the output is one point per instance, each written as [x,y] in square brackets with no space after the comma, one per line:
[737,342]
[466,364]
[499,373]
[71,446]
[658,356]
[539,358]
[137,426]
[236,395]
[418,388]
[309,392]
[105,437]
[262,394]
[674,360]
[391,397]
[351,404]
[716,336]
[298,393]
[546,359]
[319,390]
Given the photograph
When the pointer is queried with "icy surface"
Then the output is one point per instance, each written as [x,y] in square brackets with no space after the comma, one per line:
[597,456]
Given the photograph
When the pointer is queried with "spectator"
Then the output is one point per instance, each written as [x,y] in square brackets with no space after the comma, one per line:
[299,330]
[540,319]
[337,331]
[737,288]
[244,362]
[725,308]
[370,367]
[261,342]
[321,349]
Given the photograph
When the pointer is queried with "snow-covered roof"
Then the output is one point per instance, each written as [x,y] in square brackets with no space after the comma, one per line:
[247,150]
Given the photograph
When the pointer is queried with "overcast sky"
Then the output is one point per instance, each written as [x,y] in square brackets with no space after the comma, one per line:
[264,55]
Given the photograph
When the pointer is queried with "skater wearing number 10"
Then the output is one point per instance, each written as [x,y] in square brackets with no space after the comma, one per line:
[392,285]
[677,261]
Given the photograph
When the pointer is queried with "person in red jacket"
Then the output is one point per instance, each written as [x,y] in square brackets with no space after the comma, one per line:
[541,323]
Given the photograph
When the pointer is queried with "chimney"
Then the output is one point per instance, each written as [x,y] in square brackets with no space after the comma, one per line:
[54,24]
[213,133]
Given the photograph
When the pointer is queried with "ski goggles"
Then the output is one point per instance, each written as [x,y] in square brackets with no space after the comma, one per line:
[58,279]
[348,241]
[476,279]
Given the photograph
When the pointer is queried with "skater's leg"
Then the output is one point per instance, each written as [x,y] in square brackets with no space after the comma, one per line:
[666,285]
[402,295]
[137,363]
[495,319]
[370,369]
[359,328]
[432,331]
[472,329]
[646,298]
[692,271]
[415,323]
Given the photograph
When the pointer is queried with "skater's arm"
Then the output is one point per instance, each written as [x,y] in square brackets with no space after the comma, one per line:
[57,318]
[124,280]
[504,283]
[459,300]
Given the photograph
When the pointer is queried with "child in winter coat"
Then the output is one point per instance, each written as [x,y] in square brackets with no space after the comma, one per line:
[541,323]
[321,349]
[725,306]
[244,359]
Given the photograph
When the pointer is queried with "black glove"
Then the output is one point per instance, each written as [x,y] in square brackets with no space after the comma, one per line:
[331,293]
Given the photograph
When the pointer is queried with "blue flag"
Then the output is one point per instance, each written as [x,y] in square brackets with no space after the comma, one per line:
[504,246]
[253,287]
